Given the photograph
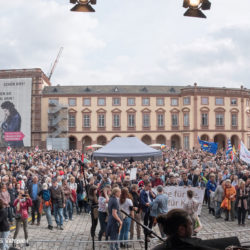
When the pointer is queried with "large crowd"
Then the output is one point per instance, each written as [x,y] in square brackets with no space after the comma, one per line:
[59,185]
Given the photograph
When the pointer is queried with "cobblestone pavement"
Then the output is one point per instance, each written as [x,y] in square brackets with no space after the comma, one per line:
[77,232]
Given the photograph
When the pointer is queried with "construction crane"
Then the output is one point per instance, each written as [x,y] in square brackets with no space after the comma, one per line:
[55,63]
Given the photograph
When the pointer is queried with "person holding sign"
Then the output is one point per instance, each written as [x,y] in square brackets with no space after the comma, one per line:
[191,207]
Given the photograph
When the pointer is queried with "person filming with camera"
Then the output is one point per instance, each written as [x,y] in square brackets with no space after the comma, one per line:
[22,204]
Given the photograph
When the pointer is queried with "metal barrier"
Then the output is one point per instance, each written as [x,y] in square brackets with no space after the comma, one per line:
[86,245]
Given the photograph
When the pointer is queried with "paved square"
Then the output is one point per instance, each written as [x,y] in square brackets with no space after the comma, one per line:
[77,232]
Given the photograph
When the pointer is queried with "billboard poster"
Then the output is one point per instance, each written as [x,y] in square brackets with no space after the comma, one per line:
[15,112]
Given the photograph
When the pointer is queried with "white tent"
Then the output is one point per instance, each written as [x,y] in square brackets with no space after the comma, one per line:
[126,148]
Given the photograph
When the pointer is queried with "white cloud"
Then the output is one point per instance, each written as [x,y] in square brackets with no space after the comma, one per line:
[128,42]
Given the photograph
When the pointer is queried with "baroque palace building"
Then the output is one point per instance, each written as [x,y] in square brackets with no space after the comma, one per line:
[171,115]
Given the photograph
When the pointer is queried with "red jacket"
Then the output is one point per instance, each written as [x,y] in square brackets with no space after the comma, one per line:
[23,207]
[157,182]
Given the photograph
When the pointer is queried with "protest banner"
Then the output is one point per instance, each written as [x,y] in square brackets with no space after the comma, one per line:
[178,195]
[133,172]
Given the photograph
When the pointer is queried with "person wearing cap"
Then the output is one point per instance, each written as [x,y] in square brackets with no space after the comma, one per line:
[160,206]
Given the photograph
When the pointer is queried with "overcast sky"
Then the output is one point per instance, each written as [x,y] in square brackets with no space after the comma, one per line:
[129,42]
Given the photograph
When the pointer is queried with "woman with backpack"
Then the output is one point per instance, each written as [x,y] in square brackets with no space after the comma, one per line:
[45,196]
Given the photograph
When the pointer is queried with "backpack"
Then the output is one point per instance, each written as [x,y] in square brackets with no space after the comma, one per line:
[46,195]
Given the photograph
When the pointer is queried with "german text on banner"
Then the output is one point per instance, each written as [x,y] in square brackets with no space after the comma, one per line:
[178,195]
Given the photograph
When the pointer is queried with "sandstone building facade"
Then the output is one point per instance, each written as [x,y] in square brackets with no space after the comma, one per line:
[171,115]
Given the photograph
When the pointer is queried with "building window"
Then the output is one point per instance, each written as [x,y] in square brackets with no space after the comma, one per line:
[160,101]
[101,102]
[204,119]
[186,142]
[116,120]
[116,101]
[145,101]
[101,120]
[204,100]
[234,101]
[248,142]
[234,120]
[86,101]
[248,120]
[174,101]
[146,120]
[53,101]
[247,102]
[174,120]
[160,120]
[72,120]
[219,101]
[72,102]
[219,119]
[186,119]
[131,120]
[131,101]
[186,101]
[86,121]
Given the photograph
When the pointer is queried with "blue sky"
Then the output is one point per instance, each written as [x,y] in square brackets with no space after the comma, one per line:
[129,42]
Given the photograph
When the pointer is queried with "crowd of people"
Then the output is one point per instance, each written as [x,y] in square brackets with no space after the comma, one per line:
[58,184]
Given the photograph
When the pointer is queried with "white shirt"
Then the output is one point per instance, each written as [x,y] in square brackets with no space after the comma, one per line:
[102,204]
[73,186]
[126,205]
[149,198]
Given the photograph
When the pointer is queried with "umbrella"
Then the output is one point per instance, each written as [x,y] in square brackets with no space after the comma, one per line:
[94,146]
[156,145]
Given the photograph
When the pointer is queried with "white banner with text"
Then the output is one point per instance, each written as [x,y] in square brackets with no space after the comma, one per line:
[178,195]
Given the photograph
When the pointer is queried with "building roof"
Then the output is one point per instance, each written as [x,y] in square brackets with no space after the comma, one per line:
[111,89]
[130,89]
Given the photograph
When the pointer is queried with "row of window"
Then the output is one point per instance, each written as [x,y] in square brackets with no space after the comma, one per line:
[146,101]
[220,120]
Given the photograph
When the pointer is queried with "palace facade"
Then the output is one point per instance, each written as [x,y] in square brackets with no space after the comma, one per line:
[171,115]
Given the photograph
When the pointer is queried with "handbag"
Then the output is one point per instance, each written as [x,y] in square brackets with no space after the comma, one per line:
[17,216]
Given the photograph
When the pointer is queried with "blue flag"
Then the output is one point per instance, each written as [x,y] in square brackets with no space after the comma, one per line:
[210,147]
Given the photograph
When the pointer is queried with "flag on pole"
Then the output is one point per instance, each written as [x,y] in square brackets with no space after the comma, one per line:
[244,153]
[8,149]
[210,147]
[229,152]
[234,150]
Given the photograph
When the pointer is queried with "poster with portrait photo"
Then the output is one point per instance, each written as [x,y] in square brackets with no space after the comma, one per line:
[15,112]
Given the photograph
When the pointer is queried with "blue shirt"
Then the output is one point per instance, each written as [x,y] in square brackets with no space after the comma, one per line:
[34,191]
[160,205]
